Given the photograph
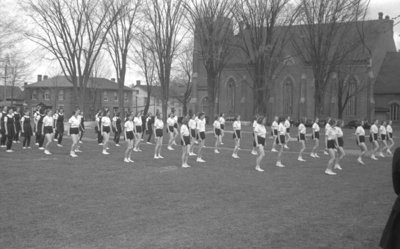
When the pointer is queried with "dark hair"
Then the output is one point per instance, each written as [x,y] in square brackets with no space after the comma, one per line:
[185,120]
[216,117]
[332,122]
[260,119]
[236,117]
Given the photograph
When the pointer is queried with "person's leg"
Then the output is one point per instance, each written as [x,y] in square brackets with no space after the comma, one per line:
[279,159]
[329,169]
[28,141]
[60,137]
[217,141]
[183,157]
[105,141]
[10,137]
[261,154]
[128,148]
[160,140]
[49,138]
[41,141]
[150,134]
[156,148]
[200,151]
[24,141]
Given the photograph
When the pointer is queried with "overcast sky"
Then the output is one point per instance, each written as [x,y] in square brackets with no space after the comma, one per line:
[388,7]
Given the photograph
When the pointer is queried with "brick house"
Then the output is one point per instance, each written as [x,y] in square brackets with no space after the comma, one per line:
[57,92]
[14,96]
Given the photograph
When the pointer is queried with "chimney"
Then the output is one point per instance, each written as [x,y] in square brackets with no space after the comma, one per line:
[380,15]
[39,77]
[45,77]
[113,79]
[138,82]
[387,17]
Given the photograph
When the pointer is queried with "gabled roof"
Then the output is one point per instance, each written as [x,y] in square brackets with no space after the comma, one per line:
[388,79]
[156,91]
[16,92]
[62,82]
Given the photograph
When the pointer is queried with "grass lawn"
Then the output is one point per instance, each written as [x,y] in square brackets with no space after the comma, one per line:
[97,201]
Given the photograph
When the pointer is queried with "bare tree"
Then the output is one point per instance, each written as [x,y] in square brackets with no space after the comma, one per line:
[164,34]
[119,41]
[144,58]
[74,32]
[264,27]
[212,24]
[19,71]
[325,39]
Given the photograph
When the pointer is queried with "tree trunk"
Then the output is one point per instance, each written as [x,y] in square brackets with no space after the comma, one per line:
[147,105]
[184,107]
[319,100]
[212,81]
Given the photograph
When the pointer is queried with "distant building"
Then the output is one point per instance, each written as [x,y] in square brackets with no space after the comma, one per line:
[57,92]
[14,96]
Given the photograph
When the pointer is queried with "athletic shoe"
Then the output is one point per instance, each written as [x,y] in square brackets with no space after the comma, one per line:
[199,160]
[80,141]
[259,169]
[185,166]
[73,155]
[78,150]
[47,152]
[117,145]
[360,161]
[2,146]
[253,152]
[130,160]
[274,150]
[326,153]
[192,154]
[301,159]
[312,155]
[161,157]
[330,172]
[148,143]
[222,143]
[174,143]
[105,152]
[24,148]
[156,157]
[135,150]
[216,151]
[41,148]
[196,142]
[381,154]
[280,165]
[373,157]
[316,155]
[101,144]
[389,152]
[285,146]
[235,156]
[9,151]
[170,148]
[35,144]
[55,140]
[60,145]
[126,160]
[337,166]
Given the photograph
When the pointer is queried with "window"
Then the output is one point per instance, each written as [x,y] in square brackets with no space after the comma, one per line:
[395,112]
[244,92]
[105,96]
[61,95]
[231,95]
[34,95]
[287,96]
[204,104]
[350,109]
[125,97]
[115,96]
[47,95]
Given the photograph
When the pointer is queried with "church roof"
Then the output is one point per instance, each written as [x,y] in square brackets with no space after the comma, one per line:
[388,79]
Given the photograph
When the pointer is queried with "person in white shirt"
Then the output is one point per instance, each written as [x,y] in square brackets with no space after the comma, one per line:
[301,136]
[280,140]
[48,129]
[373,138]
[222,124]
[360,134]
[74,124]
[201,127]
[237,127]
[389,131]
[287,126]
[254,150]
[105,130]
[340,143]
[97,128]
[331,145]
[192,127]
[327,127]
[129,127]
[170,124]
[138,131]
[158,131]
[185,141]
[9,129]
[260,134]
[383,136]
[274,131]
[217,133]
[315,137]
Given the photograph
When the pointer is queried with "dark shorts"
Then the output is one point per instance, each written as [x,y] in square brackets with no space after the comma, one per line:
[48,129]
[202,135]
[383,137]
[362,139]
[176,126]
[261,140]
[282,137]
[373,137]
[331,144]
[390,135]
[340,141]
[74,131]
[185,141]
[287,130]
[302,137]
[139,129]
[217,132]
[129,135]
[170,128]
[193,133]
[236,134]
[316,136]
[222,126]
[106,129]
[159,132]
[275,132]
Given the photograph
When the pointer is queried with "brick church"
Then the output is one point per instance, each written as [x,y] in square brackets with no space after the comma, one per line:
[293,89]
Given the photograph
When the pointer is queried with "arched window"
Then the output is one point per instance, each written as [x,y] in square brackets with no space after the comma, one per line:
[244,92]
[105,96]
[287,96]
[395,111]
[231,95]
[351,88]
[204,104]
